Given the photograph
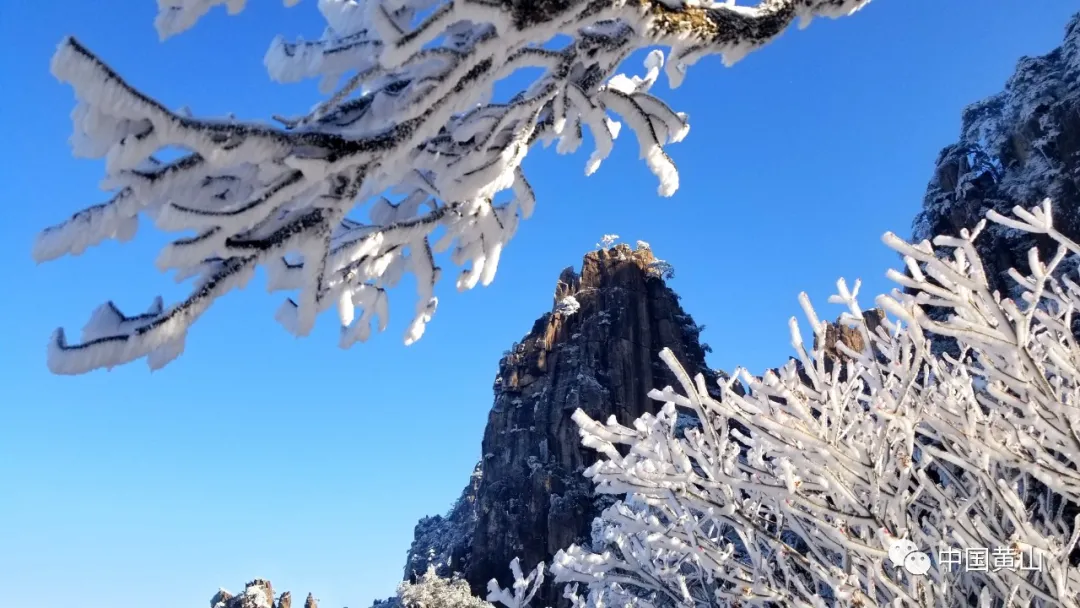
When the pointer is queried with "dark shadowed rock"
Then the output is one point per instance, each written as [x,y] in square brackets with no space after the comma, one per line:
[1015,148]
[445,542]
[597,350]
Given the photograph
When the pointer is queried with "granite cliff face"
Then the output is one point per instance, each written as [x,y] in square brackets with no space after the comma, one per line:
[1015,148]
[597,350]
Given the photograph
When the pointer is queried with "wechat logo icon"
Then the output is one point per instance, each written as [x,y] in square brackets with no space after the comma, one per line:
[904,554]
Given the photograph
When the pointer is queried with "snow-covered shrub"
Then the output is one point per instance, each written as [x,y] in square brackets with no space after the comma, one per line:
[434,591]
[662,269]
[607,241]
[568,306]
[890,476]
[337,205]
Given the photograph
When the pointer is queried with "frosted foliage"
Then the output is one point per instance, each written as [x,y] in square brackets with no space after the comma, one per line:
[433,591]
[794,493]
[337,205]
[523,589]
[608,241]
[568,306]
[662,269]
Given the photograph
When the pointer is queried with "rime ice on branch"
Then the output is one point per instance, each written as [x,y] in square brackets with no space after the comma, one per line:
[412,121]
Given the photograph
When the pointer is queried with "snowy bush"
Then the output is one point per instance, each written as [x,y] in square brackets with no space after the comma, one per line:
[434,591]
[882,474]
[338,204]
[607,241]
[568,306]
[662,269]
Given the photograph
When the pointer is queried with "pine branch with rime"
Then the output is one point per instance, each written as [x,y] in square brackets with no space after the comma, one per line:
[339,204]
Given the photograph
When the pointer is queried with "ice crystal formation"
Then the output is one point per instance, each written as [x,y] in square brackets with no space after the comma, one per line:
[337,205]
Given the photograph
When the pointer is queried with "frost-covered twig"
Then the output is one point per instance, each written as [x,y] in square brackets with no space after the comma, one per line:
[524,587]
[410,135]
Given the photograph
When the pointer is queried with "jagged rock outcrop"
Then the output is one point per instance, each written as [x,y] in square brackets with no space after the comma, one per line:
[850,335]
[446,541]
[1016,148]
[258,593]
[597,350]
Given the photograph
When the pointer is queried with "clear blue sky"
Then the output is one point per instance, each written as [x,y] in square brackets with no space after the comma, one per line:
[256,454]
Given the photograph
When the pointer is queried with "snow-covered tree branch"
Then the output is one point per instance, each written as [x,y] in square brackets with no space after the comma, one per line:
[870,470]
[410,136]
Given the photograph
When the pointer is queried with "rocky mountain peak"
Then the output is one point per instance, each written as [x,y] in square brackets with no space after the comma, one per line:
[600,267]
[597,349]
